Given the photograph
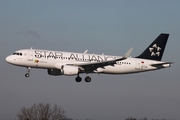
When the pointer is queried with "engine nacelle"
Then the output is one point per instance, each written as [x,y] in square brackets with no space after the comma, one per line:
[70,70]
[65,70]
[54,72]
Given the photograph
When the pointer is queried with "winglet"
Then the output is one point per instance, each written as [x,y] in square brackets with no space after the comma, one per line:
[128,53]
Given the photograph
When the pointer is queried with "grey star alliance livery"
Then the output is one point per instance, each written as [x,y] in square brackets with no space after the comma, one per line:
[71,63]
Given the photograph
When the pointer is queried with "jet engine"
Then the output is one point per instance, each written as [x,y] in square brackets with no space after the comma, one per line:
[65,70]
[54,72]
[70,70]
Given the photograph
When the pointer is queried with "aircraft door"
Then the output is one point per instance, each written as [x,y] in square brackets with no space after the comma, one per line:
[138,65]
[30,55]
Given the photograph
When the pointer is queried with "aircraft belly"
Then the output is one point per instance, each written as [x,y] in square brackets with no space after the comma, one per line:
[117,69]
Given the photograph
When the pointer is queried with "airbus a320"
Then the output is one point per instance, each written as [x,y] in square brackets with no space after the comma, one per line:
[71,63]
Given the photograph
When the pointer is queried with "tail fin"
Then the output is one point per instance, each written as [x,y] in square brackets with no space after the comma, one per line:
[156,49]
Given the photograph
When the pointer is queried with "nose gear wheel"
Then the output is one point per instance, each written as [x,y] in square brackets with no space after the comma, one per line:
[28,70]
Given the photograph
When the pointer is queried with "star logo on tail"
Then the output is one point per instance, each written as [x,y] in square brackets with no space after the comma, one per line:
[155,50]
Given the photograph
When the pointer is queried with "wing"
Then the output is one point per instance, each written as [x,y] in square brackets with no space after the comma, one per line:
[94,65]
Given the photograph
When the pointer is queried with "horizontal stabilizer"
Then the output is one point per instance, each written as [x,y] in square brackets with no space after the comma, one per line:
[162,65]
[158,64]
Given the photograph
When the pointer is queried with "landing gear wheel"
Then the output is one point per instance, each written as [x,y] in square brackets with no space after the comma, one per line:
[28,70]
[27,75]
[78,79]
[87,79]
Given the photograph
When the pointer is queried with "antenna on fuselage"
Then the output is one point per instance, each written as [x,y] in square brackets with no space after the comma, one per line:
[31,48]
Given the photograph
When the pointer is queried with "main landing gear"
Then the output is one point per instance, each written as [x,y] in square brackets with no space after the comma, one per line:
[28,70]
[79,79]
[87,79]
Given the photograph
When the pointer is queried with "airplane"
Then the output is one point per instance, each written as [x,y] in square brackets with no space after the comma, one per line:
[71,63]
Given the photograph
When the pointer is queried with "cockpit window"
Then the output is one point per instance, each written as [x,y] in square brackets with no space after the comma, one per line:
[16,53]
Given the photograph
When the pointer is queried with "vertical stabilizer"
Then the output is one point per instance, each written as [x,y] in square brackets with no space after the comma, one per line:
[156,49]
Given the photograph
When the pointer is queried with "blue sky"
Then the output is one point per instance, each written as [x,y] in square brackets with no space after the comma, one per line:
[110,27]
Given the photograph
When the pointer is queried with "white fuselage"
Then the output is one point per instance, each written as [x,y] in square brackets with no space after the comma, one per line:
[46,59]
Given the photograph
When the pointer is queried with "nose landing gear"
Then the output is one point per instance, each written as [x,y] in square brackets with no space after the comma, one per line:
[28,70]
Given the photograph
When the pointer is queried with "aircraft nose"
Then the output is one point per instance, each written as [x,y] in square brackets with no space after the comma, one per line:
[15,60]
[9,59]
